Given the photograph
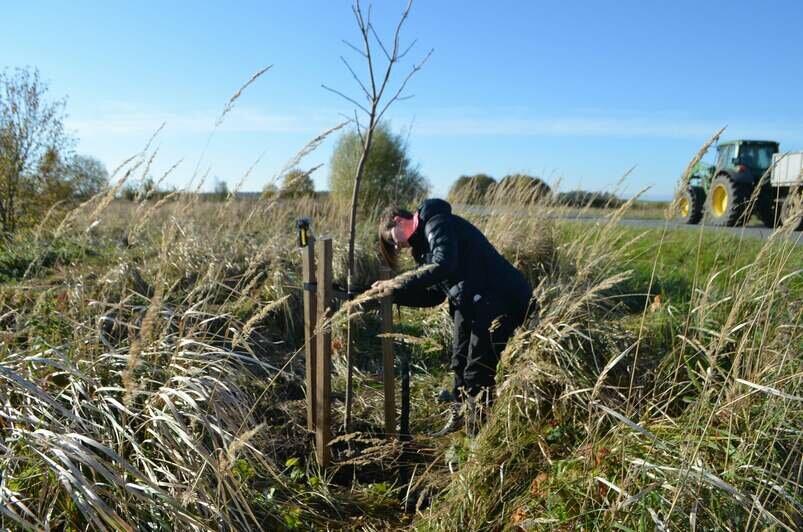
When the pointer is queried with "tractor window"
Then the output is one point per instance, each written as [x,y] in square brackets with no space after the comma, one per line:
[756,155]
[726,153]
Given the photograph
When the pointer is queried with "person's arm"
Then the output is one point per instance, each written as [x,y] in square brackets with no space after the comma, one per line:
[418,297]
[442,240]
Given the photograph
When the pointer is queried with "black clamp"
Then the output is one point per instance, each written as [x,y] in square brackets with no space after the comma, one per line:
[342,292]
[310,287]
[304,232]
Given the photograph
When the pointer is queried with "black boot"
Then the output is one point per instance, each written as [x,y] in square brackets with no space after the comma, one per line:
[454,421]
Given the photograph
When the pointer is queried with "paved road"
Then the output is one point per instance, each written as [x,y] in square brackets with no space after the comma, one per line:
[756,230]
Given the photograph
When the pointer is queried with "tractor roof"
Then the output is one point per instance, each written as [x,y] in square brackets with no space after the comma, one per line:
[745,141]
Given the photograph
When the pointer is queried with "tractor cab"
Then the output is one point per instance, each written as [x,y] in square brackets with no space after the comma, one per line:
[745,160]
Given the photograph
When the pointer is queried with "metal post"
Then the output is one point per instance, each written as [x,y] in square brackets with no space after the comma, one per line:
[324,352]
[387,362]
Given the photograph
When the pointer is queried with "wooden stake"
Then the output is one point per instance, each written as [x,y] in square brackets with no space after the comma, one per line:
[324,352]
[310,321]
[350,369]
[387,362]
[404,418]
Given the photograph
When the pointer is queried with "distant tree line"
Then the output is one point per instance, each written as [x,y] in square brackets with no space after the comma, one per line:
[523,188]
[584,198]
[149,189]
[479,188]
[38,169]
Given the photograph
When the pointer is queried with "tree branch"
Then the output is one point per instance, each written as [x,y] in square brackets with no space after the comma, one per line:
[356,78]
[354,48]
[381,44]
[406,50]
[412,72]
[347,98]
[363,26]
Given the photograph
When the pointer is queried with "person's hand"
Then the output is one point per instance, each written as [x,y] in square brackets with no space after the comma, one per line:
[384,287]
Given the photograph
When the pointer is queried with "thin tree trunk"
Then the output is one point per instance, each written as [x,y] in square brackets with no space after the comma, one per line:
[375,113]
[369,134]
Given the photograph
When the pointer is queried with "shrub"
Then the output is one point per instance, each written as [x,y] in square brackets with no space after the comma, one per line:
[389,175]
[86,175]
[471,188]
[296,184]
[31,135]
[524,187]
[221,190]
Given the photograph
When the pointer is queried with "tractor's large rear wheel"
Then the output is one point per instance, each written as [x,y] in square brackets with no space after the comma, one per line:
[690,205]
[727,200]
[792,211]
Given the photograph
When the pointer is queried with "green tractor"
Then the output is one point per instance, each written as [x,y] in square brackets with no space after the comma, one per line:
[723,192]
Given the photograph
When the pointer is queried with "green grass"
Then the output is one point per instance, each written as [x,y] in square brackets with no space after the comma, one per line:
[639,210]
[23,255]
[673,263]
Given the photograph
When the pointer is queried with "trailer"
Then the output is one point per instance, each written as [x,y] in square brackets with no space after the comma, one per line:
[786,181]
[787,169]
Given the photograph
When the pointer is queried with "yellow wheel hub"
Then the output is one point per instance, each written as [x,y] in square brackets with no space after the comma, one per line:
[683,206]
[719,200]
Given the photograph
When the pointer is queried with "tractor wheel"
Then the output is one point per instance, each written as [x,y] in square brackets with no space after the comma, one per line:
[726,201]
[792,211]
[768,207]
[690,205]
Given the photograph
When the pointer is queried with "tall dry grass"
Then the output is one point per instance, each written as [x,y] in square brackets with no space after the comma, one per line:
[667,417]
[147,384]
[152,378]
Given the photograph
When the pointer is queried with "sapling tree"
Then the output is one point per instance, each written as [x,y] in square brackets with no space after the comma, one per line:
[378,91]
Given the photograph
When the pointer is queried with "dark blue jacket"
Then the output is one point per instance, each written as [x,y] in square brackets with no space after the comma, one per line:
[465,264]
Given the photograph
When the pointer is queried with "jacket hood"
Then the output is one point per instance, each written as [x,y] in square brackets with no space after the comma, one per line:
[433,207]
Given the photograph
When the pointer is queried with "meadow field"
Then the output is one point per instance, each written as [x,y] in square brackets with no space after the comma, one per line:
[152,371]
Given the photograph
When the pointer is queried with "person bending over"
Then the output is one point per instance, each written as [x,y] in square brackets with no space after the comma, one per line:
[488,297]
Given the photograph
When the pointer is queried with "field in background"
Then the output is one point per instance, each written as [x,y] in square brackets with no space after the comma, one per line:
[152,367]
[640,209]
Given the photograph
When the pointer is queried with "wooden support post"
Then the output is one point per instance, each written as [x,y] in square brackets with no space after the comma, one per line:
[388,362]
[324,351]
[310,321]
[404,418]
[350,337]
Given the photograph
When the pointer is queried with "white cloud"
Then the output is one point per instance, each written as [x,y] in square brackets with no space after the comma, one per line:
[120,119]
[520,122]
[561,126]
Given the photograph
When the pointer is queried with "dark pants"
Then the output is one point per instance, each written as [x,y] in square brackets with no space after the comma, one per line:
[481,331]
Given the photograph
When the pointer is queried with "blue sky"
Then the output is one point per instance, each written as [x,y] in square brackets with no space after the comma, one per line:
[572,91]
